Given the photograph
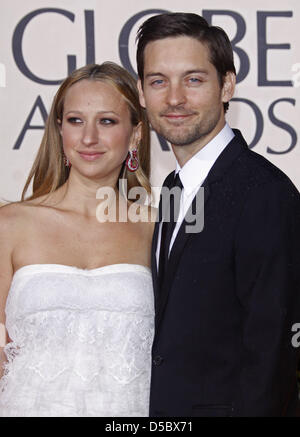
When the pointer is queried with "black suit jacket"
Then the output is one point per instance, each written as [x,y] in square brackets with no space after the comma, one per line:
[231,294]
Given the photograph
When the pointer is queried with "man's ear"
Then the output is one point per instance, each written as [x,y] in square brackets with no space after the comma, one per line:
[228,86]
[141,93]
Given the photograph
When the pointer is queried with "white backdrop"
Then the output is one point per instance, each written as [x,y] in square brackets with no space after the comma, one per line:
[38,39]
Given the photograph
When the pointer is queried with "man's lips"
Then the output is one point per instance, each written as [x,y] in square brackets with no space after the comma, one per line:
[176,116]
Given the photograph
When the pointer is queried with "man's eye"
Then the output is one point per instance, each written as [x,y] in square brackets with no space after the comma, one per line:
[157,82]
[74,120]
[194,80]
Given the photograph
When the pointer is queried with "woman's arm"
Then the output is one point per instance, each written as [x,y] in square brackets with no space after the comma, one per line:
[7,235]
[3,342]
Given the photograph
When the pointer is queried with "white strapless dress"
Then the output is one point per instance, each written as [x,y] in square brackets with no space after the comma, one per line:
[81,341]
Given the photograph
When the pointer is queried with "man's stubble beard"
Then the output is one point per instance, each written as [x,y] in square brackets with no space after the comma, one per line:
[189,134]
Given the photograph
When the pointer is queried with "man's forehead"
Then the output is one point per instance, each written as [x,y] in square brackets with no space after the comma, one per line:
[175,53]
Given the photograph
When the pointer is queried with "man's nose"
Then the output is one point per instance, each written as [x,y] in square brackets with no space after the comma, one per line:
[176,95]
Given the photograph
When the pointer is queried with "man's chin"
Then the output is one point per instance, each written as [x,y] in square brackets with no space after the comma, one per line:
[176,140]
[179,140]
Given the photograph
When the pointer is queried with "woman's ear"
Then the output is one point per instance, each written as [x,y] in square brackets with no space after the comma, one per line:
[59,124]
[136,136]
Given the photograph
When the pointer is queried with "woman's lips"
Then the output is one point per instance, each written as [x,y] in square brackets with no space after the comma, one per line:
[88,156]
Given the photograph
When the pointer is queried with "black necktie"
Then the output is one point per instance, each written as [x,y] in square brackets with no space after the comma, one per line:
[169,211]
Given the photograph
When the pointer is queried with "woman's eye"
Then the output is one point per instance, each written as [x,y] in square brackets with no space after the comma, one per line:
[107,121]
[74,120]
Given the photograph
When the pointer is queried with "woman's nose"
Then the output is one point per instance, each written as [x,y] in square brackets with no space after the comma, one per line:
[90,134]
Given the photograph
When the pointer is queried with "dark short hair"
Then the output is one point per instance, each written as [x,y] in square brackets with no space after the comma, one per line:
[192,25]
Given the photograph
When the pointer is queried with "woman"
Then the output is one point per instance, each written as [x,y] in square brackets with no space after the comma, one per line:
[75,292]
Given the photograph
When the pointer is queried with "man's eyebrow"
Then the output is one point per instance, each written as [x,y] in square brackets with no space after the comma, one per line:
[154,74]
[185,73]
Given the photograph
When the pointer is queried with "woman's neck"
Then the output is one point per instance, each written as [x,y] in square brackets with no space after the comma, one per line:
[84,195]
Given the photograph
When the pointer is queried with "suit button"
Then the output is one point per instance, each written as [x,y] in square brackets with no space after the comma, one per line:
[157,361]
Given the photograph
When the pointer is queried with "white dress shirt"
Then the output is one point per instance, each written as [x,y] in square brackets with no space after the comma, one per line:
[193,174]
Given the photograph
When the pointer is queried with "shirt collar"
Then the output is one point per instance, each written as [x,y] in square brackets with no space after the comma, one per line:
[195,170]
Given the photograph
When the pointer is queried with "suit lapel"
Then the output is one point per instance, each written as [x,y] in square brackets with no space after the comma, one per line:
[167,183]
[178,247]
[153,261]
[223,162]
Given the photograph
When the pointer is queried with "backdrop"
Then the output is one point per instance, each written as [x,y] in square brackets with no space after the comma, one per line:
[42,41]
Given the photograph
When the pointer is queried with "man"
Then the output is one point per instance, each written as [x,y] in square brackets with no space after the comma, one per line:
[226,297]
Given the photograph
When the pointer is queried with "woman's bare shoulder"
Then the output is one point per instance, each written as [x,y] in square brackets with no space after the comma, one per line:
[10,211]
[14,209]
[25,207]
[10,229]
[13,216]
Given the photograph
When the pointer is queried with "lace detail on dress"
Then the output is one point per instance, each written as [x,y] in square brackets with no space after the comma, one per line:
[11,351]
[80,344]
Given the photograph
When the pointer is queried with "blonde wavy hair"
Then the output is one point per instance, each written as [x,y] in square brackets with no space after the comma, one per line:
[48,172]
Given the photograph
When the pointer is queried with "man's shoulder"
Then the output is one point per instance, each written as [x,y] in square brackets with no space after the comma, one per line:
[264,171]
[256,171]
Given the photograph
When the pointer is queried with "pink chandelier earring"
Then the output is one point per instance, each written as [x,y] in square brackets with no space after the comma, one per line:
[132,161]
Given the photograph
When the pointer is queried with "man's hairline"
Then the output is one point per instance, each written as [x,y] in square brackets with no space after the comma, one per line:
[174,37]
